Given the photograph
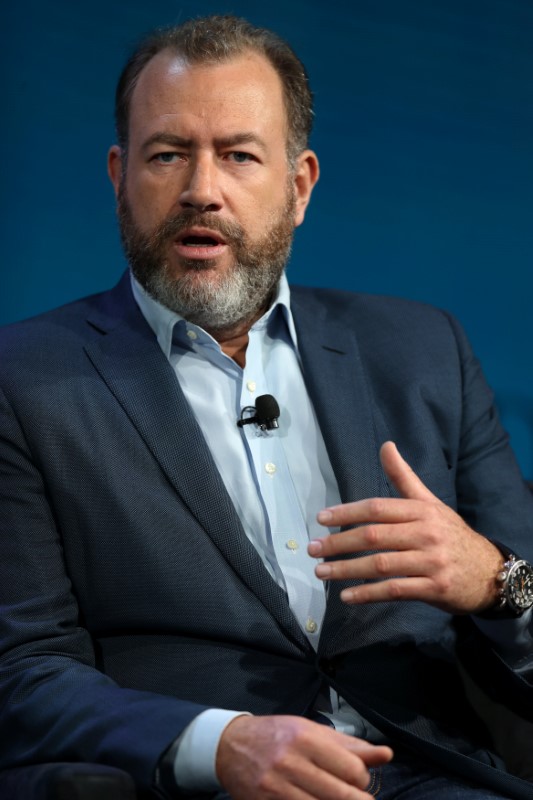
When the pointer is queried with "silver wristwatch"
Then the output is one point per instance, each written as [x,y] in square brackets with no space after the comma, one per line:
[516,590]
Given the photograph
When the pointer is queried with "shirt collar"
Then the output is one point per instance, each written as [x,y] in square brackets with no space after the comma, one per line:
[166,324]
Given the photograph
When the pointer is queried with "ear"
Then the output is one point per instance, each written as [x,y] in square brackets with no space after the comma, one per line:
[115,166]
[305,177]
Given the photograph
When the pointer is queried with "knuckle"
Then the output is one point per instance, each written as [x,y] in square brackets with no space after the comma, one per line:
[382,563]
[440,563]
[443,584]
[280,769]
[375,506]
[372,535]
[284,763]
[267,784]
[396,590]
[271,787]
[433,534]
[305,737]
[437,563]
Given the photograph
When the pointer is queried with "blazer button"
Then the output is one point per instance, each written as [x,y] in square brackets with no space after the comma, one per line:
[328,667]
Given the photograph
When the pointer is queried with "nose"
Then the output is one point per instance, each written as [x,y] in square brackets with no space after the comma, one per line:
[201,190]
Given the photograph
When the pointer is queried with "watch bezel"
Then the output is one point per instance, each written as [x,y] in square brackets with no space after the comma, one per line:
[511,593]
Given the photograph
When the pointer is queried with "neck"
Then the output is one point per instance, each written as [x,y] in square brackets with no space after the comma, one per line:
[234,341]
[235,348]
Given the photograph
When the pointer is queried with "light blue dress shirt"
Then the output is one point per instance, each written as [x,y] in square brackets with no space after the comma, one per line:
[278,481]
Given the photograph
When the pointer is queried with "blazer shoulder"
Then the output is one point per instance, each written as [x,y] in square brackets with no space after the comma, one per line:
[358,307]
[384,326]
[56,334]
[107,306]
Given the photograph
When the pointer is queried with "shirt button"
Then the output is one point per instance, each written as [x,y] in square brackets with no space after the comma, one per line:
[270,468]
[311,626]
[251,386]
[192,335]
[292,544]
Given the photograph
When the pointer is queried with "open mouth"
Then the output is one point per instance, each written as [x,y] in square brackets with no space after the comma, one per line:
[199,241]
[200,244]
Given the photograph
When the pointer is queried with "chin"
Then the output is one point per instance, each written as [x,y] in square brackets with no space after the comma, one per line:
[196,266]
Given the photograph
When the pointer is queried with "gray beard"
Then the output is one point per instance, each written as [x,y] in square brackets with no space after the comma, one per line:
[214,302]
[220,304]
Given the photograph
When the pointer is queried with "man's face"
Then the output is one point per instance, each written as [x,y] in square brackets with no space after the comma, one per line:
[207,201]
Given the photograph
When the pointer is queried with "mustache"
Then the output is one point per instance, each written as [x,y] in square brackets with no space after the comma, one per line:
[174,225]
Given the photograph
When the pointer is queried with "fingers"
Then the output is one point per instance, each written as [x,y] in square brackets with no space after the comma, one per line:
[373,755]
[332,771]
[413,542]
[390,591]
[382,570]
[402,476]
[399,536]
[375,566]
[383,509]
[420,548]
[375,509]
[343,762]
[416,504]
[294,759]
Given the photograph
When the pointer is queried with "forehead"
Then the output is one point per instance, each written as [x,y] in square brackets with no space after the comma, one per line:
[244,92]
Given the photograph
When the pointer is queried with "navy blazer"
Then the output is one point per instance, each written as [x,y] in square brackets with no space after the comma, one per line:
[131,598]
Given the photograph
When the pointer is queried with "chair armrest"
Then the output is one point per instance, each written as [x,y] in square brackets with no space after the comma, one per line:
[66,781]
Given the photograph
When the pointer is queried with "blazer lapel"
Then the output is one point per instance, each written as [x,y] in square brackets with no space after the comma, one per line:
[337,384]
[131,363]
[338,387]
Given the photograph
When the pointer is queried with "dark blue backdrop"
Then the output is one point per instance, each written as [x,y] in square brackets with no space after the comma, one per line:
[424,130]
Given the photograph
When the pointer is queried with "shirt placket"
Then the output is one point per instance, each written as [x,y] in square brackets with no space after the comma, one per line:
[286,527]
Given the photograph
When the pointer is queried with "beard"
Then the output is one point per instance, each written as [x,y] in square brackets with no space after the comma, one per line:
[212,300]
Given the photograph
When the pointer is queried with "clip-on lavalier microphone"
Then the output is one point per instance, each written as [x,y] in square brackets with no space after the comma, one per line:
[265,413]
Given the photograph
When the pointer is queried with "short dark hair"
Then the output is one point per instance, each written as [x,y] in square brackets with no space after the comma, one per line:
[215,39]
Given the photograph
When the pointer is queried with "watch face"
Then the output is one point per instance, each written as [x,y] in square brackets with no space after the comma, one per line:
[520,585]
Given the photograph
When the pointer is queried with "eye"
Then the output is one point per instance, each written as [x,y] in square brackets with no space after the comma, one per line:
[168,157]
[239,157]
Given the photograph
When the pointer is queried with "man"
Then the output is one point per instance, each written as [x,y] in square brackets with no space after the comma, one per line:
[172,603]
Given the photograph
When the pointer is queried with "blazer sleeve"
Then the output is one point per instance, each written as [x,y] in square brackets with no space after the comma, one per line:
[55,704]
[494,499]
[492,495]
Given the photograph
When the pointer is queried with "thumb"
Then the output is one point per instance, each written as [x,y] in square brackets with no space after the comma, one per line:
[401,475]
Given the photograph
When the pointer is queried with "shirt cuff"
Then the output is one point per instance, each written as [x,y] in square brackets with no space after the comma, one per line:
[512,639]
[195,757]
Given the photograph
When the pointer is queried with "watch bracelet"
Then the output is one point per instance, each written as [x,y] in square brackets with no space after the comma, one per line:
[502,609]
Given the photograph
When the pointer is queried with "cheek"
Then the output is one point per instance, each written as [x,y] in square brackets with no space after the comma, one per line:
[259,207]
[150,203]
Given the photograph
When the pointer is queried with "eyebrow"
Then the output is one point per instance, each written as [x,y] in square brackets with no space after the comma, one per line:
[171,139]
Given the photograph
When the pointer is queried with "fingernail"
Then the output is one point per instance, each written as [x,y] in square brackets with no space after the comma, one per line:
[347,595]
[314,548]
[323,571]
[324,516]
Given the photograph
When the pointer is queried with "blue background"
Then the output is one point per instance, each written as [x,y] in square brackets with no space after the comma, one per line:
[424,131]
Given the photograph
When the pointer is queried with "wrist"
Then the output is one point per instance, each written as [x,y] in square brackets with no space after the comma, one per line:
[514,587]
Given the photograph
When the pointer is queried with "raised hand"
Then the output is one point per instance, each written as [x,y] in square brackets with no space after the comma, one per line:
[425,550]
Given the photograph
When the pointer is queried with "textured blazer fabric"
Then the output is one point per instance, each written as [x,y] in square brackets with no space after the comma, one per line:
[132,599]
